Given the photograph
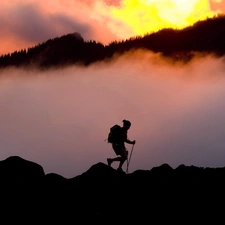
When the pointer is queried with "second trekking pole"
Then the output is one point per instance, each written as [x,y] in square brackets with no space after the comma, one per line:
[128,161]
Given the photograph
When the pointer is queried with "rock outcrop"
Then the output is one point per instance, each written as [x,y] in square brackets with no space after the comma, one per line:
[104,195]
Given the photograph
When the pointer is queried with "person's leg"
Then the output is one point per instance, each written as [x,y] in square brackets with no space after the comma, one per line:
[111,160]
[123,158]
[119,151]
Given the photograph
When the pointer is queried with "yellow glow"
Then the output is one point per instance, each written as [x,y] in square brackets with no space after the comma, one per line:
[146,16]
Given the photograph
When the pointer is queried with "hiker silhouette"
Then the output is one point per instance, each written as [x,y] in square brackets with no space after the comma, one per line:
[119,146]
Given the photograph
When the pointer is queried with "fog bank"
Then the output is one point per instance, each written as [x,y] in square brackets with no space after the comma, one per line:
[60,118]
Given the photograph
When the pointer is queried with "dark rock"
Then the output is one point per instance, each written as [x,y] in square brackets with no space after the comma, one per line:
[102,194]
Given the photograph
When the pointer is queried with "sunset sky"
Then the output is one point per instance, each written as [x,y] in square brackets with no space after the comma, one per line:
[25,23]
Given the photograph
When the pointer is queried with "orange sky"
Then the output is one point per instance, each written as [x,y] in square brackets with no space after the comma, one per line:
[25,23]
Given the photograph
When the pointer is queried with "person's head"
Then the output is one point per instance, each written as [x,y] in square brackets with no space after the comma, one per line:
[126,124]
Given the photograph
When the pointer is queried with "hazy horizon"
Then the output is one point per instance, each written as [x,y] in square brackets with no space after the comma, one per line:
[61,118]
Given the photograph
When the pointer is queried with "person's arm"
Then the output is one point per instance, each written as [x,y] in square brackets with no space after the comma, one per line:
[127,140]
[130,142]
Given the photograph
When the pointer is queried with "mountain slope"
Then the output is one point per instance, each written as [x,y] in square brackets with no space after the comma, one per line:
[204,37]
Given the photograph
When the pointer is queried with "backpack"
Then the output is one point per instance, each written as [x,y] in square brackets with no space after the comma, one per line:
[114,135]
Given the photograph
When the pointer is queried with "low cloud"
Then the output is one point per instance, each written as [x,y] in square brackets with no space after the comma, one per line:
[60,118]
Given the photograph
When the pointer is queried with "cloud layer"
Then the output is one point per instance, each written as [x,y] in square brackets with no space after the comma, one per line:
[61,118]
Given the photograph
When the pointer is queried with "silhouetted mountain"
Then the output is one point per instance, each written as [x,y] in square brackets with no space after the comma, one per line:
[186,194]
[205,37]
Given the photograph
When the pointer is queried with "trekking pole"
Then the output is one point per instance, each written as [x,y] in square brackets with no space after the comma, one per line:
[128,161]
[127,167]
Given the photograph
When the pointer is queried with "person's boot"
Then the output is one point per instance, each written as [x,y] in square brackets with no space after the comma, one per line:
[109,161]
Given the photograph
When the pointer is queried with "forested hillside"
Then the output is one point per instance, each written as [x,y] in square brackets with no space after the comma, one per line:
[205,37]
